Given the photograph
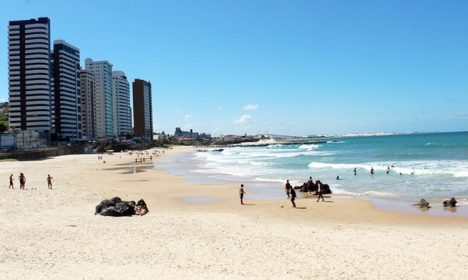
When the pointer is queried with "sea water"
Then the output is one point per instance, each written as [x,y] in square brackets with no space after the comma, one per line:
[433,166]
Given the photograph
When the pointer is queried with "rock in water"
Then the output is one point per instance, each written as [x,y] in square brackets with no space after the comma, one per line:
[450,203]
[423,204]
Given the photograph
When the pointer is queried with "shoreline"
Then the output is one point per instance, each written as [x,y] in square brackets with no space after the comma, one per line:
[379,204]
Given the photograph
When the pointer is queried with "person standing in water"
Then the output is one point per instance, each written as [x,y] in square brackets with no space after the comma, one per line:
[288,188]
[372,171]
[241,194]
[11,182]
[49,181]
[355,172]
[293,197]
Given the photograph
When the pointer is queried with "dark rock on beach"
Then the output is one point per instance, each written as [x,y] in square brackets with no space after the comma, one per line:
[115,207]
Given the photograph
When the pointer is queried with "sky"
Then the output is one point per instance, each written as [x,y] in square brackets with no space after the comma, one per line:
[282,67]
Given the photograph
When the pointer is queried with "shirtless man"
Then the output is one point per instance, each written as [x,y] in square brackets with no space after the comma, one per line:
[288,188]
[241,194]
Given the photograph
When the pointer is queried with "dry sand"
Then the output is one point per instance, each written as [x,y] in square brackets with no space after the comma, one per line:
[53,234]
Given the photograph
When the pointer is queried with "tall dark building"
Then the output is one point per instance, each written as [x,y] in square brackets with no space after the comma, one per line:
[29,74]
[88,105]
[66,95]
[142,109]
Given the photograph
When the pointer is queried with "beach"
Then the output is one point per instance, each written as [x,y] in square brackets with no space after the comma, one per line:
[202,231]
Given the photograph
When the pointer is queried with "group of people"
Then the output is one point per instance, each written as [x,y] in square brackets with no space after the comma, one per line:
[22,181]
[310,186]
[372,171]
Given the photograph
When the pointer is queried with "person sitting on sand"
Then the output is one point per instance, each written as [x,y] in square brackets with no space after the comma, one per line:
[49,181]
[11,182]
[288,188]
[141,208]
[293,197]
[241,194]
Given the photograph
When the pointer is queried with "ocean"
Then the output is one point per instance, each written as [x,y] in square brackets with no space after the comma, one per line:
[432,166]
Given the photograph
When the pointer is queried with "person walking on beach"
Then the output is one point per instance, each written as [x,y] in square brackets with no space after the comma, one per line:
[293,197]
[241,194]
[49,181]
[11,182]
[288,188]
[22,180]
[319,191]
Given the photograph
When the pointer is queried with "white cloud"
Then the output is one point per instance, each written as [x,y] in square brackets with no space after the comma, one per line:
[243,119]
[250,107]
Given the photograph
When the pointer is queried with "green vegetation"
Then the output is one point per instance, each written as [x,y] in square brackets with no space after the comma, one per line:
[164,142]
[3,117]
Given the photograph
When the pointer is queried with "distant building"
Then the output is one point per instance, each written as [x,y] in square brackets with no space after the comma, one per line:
[29,75]
[88,105]
[185,135]
[142,109]
[188,136]
[104,111]
[122,110]
[66,95]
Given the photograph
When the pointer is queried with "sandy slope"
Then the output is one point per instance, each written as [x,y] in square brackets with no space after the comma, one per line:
[54,234]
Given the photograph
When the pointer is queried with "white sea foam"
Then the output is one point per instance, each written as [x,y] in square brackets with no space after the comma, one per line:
[335,142]
[309,147]
[340,191]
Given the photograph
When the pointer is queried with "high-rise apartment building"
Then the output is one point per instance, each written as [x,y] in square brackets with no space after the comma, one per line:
[65,87]
[29,74]
[122,110]
[142,109]
[103,98]
[87,105]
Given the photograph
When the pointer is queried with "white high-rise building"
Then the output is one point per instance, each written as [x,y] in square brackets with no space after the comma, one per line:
[29,74]
[103,98]
[66,95]
[122,110]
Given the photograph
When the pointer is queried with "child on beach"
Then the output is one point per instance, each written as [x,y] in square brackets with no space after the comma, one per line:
[241,194]
[49,181]
[11,182]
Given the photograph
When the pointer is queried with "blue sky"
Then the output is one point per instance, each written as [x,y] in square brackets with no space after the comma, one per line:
[284,67]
